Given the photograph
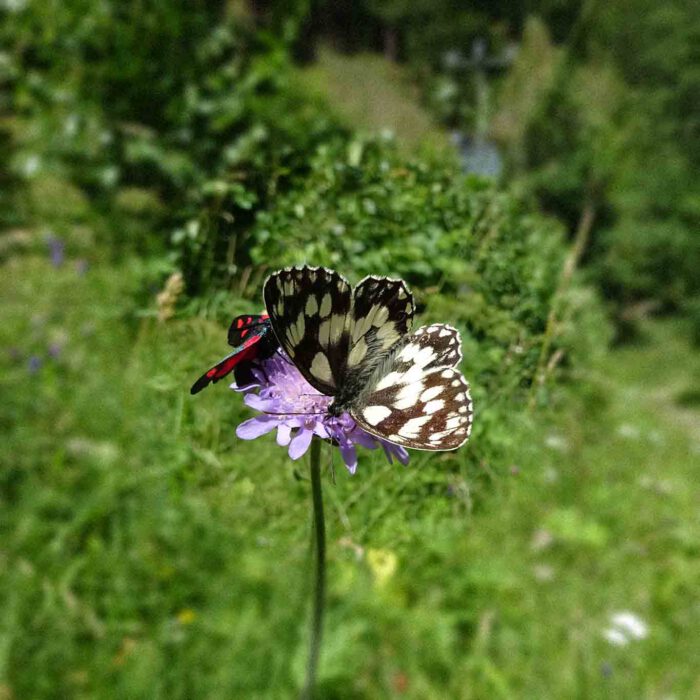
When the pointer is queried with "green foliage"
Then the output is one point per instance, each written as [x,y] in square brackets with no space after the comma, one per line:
[523,89]
[364,207]
[375,95]
[605,114]
[573,142]
[472,254]
[214,118]
[692,308]
[619,128]
[8,181]
[147,552]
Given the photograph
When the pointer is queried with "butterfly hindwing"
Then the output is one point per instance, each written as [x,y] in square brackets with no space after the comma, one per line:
[418,398]
[224,367]
[309,310]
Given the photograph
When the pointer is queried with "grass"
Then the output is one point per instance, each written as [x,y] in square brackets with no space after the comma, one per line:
[147,553]
[374,95]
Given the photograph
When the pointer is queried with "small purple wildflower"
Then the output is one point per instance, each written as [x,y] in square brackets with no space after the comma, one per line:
[288,403]
[56,250]
[34,364]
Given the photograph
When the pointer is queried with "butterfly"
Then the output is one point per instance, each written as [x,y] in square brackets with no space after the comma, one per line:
[355,345]
[252,338]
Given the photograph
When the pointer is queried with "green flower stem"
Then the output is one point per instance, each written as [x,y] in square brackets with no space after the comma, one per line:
[320,577]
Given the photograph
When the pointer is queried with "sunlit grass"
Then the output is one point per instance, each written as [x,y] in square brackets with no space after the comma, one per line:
[374,95]
[146,552]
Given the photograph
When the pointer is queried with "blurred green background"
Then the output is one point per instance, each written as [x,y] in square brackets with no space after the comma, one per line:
[530,168]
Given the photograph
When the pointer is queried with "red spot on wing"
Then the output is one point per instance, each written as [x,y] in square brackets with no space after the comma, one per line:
[226,365]
[252,340]
[239,322]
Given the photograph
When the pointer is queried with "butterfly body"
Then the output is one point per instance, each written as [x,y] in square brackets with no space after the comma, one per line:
[252,338]
[355,345]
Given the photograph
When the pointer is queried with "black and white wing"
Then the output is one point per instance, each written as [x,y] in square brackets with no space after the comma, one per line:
[382,313]
[335,336]
[418,398]
[309,309]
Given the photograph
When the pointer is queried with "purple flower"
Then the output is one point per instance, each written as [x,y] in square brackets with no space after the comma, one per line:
[34,364]
[288,403]
[56,250]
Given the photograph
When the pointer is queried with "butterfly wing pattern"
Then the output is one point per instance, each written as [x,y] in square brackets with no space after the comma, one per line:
[245,327]
[309,310]
[355,345]
[252,338]
[382,313]
[418,398]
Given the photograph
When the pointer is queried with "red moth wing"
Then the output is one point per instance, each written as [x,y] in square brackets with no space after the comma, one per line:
[246,327]
[220,370]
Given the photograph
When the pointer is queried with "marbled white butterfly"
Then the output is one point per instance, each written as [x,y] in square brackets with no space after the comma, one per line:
[355,345]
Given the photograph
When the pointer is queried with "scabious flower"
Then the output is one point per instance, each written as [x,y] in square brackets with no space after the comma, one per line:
[289,404]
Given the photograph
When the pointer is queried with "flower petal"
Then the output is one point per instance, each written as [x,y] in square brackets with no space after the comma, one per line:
[321,430]
[360,437]
[349,455]
[258,403]
[402,455]
[284,434]
[255,427]
[300,443]
[391,450]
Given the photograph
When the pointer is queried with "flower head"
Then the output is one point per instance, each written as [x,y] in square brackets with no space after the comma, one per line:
[625,627]
[288,403]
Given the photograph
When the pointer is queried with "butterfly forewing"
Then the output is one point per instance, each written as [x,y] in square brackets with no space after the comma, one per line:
[382,312]
[310,313]
[418,399]
[245,326]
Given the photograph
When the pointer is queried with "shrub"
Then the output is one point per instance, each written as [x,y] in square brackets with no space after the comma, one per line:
[475,256]
[236,170]
[189,102]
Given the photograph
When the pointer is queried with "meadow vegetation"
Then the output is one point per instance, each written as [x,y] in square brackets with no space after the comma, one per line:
[146,552]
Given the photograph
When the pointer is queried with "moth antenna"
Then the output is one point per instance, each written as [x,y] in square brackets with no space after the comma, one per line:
[294,413]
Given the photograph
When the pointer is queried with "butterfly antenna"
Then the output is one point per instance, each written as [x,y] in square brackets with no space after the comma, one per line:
[294,413]
[332,468]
